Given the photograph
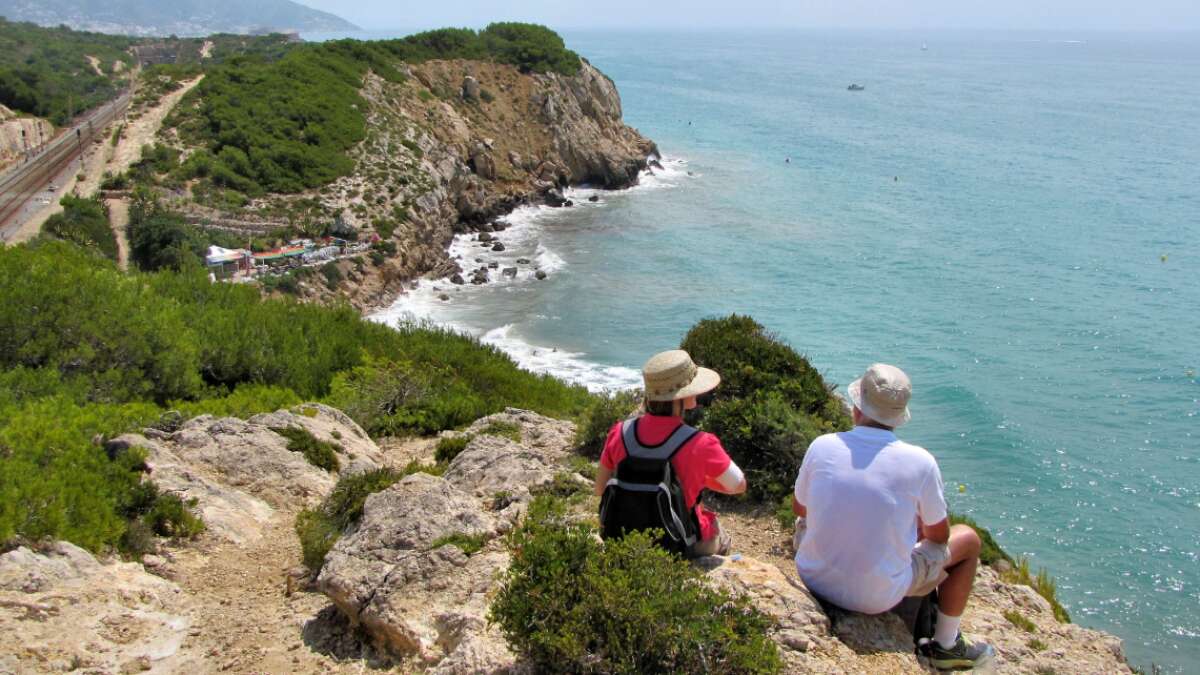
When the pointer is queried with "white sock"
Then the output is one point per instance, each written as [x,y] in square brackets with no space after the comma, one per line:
[945,631]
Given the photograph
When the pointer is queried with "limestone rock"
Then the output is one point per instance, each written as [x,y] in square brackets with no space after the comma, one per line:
[62,610]
[470,89]
[412,598]
[240,471]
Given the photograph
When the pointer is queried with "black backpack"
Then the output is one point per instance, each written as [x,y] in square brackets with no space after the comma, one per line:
[645,494]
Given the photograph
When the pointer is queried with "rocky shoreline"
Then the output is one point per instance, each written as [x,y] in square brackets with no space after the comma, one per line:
[458,145]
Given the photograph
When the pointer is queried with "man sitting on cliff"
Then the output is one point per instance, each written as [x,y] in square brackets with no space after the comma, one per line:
[873,527]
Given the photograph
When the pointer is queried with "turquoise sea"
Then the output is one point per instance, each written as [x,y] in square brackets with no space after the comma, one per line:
[1014,219]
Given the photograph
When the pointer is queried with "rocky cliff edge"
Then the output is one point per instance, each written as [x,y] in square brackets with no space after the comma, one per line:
[391,591]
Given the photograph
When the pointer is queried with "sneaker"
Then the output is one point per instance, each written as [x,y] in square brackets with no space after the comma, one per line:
[962,656]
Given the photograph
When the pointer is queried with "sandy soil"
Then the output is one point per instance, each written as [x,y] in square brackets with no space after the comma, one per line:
[118,217]
[251,602]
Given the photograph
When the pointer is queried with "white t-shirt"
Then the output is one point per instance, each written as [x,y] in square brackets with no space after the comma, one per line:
[864,491]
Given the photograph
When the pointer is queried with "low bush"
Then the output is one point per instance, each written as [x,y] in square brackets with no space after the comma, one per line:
[321,454]
[593,425]
[319,528]
[502,429]
[1017,619]
[333,275]
[571,604]
[469,544]
[767,438]
[83,222]
[448,447]
[1042,583]
[565,485]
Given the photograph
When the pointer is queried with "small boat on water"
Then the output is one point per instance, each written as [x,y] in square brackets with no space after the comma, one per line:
[924,47]
[855,87]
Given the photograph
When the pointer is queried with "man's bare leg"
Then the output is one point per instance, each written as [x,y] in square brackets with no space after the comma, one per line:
[964,560]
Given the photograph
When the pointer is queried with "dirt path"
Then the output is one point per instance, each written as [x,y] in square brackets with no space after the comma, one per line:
[246,617]
[118,217]
[101,156]
[243,619]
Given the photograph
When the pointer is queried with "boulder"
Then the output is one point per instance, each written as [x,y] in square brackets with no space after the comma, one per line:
[498,247]
[457,280]
[540,275]
[510,272]
[523,261]
[413,598]
[484,236]
[594,198]
[554,197]
[470,89]
[240,471]
[62,610]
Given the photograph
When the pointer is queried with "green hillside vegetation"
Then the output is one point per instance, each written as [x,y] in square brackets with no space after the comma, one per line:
[83,222]
[45,71]
[89,353]
[285,125]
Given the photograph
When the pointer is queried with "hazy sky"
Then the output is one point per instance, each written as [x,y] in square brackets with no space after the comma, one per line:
[660,14]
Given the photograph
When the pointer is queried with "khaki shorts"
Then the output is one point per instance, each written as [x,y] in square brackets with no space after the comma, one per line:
[928,562]
[928,567]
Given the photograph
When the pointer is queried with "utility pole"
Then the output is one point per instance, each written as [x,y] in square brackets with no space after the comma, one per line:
[79,140]
[25,144]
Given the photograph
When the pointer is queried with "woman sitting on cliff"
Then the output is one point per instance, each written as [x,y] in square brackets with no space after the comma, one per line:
[654,467]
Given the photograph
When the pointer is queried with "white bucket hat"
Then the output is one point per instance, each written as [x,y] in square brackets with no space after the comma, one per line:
[670,376]
[882,394]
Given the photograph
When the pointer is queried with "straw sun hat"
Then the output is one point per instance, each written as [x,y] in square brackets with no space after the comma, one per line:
[672,375]
[882,394]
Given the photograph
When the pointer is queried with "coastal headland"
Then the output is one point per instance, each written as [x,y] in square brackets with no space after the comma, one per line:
[215,477]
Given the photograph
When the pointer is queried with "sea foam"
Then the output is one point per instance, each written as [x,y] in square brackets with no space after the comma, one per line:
[459,307]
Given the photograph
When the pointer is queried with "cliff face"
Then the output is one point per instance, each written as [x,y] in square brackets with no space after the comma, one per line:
[20,133]
[460,143]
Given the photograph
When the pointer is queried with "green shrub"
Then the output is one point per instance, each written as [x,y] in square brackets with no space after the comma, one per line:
[45,71]
[592,427]
[333,275]
[470,544]
[83,222]
[321,454]
[566,486]
[172,517]
[448,447]
[766,437]
[320,527]
[569,603]
[507,430]
[784,515]
[1037,645]
[771,403]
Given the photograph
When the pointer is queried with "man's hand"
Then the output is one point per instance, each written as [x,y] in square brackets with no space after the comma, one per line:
[798,508]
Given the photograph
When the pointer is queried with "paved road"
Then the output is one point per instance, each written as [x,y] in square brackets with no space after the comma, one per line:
[23,181]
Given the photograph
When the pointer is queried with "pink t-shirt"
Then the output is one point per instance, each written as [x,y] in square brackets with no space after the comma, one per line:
[697,464]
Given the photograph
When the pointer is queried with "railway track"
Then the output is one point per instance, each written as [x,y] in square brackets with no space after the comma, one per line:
[25,181]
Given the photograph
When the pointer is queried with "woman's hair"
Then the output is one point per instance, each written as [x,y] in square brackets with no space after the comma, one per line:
[661,408]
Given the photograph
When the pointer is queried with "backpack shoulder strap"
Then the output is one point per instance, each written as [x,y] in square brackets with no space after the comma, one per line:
[663,451]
